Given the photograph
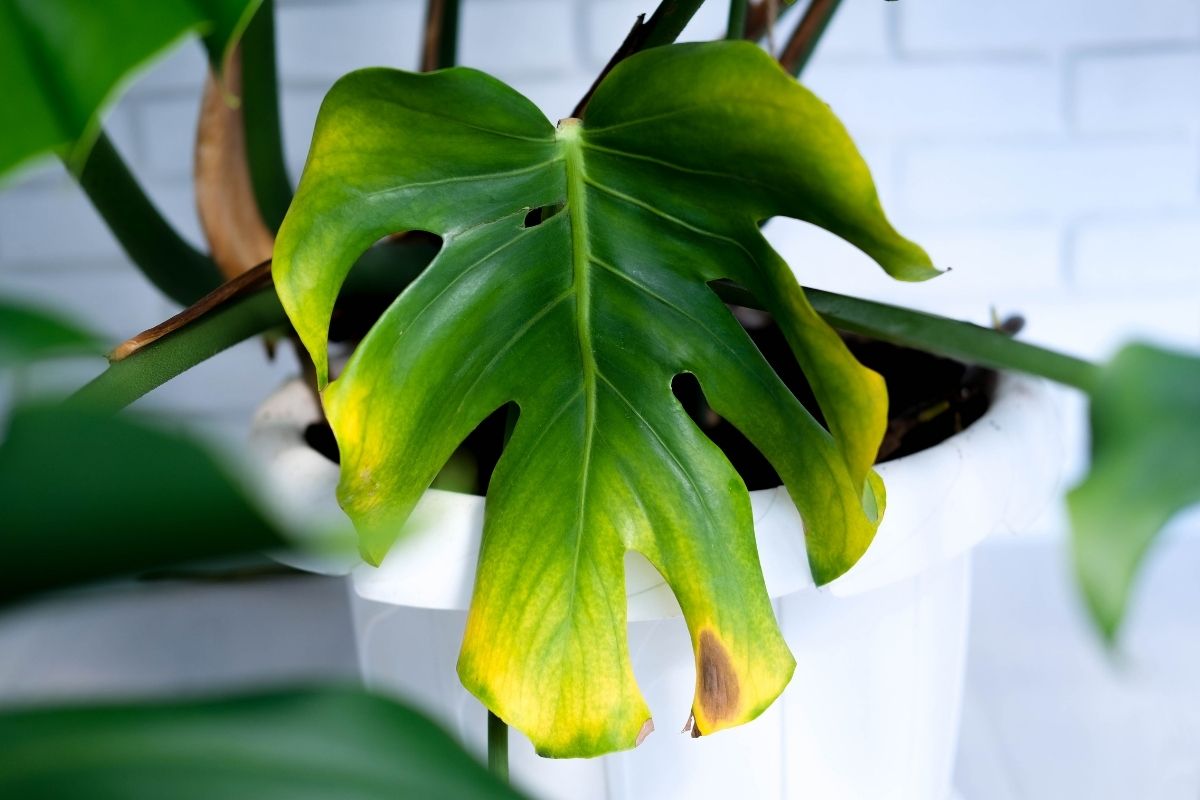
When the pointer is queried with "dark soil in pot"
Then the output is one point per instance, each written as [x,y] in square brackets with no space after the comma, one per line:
[930,399]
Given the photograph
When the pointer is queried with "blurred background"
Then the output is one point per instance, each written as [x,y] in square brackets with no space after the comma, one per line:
[1048,153]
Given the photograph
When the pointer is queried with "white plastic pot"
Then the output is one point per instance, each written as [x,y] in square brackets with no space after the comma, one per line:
[872,711]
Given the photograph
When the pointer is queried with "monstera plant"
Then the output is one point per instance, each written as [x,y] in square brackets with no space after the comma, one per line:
[582,316]
[569,272]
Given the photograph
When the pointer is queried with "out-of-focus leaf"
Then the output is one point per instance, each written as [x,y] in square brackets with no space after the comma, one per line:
[28,334]
[85,495]
[303,745]
[584,320]
[1145,417]
[61,61]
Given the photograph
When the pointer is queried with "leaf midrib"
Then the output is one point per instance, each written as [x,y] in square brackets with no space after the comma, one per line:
[568,134]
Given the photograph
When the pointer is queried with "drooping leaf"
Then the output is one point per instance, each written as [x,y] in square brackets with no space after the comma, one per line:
[1145,419]
[27,334]
[61,61]
[86,495]
[583,321]
[316,745]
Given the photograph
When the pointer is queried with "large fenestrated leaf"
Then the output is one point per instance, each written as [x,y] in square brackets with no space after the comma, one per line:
[583,321]
[62,60]
[315,744]
[1145,415]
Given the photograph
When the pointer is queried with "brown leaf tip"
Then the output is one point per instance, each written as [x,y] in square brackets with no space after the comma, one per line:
[717,690]
[646,730]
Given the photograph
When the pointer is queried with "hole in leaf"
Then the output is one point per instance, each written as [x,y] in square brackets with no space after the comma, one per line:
[487,442]
[751,464]
[537,216]
[468,470]
[929,398]
[319,436]
[377,279]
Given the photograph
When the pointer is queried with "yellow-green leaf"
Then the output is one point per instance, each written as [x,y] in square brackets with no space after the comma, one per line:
[583,321]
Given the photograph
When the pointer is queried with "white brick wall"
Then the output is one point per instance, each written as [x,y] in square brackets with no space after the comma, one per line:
[1139,92]
[1049,152]
[969,27]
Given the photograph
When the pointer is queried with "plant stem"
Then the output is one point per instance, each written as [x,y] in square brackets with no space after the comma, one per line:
[153,365]
[965,341]
[441,35]
[736,28]
[176,268]
[237,310]
[800,47]
[497,747]
[260,118]
[759,20]
[668,21]
[664,27]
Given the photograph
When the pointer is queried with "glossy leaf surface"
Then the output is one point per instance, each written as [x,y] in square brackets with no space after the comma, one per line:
[305,745]
[1145,415]
[583,321]
[62,60]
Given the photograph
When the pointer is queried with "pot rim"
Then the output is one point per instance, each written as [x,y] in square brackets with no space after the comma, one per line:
[998,473]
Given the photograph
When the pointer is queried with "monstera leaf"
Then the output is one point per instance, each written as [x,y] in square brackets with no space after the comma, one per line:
[583,321]
[1145,414]
[62,60]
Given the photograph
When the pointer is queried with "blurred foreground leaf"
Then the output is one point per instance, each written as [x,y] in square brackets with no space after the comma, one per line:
[27,334]
[310,745]
[1145,417]
[61,61]
[85,495]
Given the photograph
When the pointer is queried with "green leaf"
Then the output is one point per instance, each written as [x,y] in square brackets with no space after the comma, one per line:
[583,321]
[1145,468]
[85,495]
[316,744]
[28,334]
[61,61]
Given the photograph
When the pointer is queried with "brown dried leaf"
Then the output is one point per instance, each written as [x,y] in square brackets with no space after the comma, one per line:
[229,214]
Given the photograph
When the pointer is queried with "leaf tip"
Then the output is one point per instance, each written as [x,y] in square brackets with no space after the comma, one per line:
[919,267]
[646,729]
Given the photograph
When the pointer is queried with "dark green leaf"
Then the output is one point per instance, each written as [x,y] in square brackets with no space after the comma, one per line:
[1145,468]
[29,335]
[309,745]
[583,321]
[85,495]
[61,61]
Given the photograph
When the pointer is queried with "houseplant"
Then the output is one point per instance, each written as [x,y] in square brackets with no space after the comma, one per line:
[879,651]
[244,308]
[88,496]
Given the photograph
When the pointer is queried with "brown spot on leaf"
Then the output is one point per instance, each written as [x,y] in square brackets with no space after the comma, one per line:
[717,690]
